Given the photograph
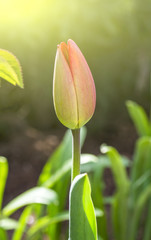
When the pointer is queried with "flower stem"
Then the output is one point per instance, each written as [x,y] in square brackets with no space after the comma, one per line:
[76,151]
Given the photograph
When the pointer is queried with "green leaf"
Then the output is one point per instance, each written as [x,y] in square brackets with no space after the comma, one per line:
[142,181]
[18,233]
[35,195]
[119,214]
[58,177]
[97,185]
[87,161]
[142,158]
[140,204]
[119,171]
[139,118]
[82,221]
[141,177]
[42,223]
[10,69]
[3,234]
[147,230]
[61,155]
[119,204]
[8,223]
[3,177]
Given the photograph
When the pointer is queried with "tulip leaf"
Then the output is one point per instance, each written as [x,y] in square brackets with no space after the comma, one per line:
[119,171]
[140,205]
[97,186]
[19,231]
[82,224]
[56,175]
[87,162]
[3,234]
[44,222]
[62,154]
[147,230]
[10,69]
[139,118]
[119,204]
[3,177]
[141,177]
[142,155]
[8,224]
[35,195]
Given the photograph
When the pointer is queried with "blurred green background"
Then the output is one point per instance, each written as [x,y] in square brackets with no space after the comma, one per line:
[114,36]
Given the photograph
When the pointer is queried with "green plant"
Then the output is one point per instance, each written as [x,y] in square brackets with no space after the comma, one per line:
[37,195]
[56,175]
[133,190]
[10,71]
[73,92]
[132,196]
[143,126]
[48,201]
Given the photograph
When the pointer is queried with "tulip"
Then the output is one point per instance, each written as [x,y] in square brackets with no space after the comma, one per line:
[74,92]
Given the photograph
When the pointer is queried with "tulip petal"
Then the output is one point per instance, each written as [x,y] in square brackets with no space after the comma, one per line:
[83,82]
[64,94]
[64,50]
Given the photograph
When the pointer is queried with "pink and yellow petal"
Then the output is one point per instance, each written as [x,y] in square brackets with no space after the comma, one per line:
[83,82]
[64,95]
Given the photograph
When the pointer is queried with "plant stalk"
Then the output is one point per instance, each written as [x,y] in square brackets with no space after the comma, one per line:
[150,98]
[76,151]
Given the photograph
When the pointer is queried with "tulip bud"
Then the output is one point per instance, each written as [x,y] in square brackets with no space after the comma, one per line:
[74,92]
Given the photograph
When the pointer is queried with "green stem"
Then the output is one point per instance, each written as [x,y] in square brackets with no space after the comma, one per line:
[150,98]
[76,151]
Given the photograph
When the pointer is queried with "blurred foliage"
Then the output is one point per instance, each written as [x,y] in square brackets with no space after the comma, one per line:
[114,36]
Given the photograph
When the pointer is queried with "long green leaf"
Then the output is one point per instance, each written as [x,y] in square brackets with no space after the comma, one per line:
[8,223]
[120,201]
[55,169]
[87,161]
[142,156]
[97,186]
[3,234]
[82,221]
[147,230]
[139,206]
[119,212]
[117,166]
[141,177]
[3,177]
[18,233]
[61,155]
[35,195]
[10,69]
[42,223]
[139,118]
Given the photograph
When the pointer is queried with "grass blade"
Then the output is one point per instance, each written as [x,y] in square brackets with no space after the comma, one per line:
[3,177]
[139,206]
[8,224]
[18,233]
[139,118]
[44,222]
[35,195]
[119,206]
